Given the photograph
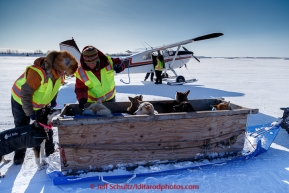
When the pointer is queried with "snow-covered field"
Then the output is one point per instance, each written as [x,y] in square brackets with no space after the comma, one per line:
[253,83]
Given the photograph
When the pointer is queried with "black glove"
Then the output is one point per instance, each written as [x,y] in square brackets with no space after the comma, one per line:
[82,102]
[33,117]
[118,68]
[53,104]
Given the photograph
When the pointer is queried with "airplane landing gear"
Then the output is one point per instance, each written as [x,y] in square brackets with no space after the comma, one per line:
[180,79]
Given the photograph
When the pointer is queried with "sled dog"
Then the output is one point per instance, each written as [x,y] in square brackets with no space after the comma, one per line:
[145,108]
[222,106]
[182,96]
[97,108]
[184,106]
[37,135]
[135,102]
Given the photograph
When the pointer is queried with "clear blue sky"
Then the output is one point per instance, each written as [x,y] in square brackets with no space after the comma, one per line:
[251,27]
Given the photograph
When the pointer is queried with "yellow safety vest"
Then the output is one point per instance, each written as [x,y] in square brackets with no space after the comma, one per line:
[160,65]
[43,95]
[104,90]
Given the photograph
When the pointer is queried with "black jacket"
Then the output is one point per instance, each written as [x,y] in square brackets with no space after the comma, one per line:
[21,137]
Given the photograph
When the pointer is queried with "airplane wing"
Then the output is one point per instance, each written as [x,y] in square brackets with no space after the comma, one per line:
[205,37]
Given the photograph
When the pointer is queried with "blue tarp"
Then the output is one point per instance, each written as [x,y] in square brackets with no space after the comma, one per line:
[264,133]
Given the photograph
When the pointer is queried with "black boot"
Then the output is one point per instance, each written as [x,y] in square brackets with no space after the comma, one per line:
[19,156]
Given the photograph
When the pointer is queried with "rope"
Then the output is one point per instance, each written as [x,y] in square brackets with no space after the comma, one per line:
[128,181]
[127,73]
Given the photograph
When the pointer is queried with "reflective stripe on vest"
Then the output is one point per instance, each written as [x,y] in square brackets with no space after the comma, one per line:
[104,90]
[107,96]
[43,95]
[16,89]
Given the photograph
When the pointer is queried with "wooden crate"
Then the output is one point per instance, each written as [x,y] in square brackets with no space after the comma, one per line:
[101,143]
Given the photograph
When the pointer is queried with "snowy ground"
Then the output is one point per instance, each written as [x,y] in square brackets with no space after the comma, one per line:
[253,83]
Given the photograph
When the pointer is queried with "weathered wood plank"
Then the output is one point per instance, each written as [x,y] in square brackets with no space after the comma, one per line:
[155,145]
[157,131]
[156,126]
[140,118]
[87,159]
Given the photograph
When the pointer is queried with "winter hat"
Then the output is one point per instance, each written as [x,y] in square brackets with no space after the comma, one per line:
[90,55]
[60,60]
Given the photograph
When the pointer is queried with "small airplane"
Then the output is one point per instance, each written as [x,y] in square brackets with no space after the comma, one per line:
[141,61]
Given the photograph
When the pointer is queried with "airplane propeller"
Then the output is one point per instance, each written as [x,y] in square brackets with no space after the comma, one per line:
[192,53]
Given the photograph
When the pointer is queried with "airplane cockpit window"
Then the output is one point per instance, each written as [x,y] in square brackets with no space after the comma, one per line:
[165,53]
[147,56]
[171,53]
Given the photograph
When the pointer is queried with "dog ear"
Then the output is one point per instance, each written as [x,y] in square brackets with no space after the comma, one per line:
[131,99]
[140,97]
[187,92]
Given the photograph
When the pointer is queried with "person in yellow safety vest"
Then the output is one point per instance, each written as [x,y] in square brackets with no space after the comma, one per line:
[159,65]
[37,87]
[95,76]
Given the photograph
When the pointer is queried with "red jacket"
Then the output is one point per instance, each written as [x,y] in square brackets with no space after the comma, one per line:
[80,88]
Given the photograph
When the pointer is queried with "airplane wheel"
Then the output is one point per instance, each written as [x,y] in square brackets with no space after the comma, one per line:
[180,79]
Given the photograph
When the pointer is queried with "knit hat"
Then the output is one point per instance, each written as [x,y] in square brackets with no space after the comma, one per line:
[90,55]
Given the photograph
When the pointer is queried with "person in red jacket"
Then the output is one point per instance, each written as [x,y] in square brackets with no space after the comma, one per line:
[95,76]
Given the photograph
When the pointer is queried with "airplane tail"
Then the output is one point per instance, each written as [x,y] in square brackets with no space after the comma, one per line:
[71,46]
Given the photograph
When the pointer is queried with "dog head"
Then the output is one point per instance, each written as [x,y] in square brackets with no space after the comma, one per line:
[145,108]
[183,107]
[222,106]
[44,116]
[182,96]
[97,108]
[135,102]
[52,114]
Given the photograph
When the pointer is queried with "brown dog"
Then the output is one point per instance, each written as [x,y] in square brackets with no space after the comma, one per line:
[135,102]
[222,106]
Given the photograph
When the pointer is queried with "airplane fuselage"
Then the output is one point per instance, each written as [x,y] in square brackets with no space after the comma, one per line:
[142,62]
